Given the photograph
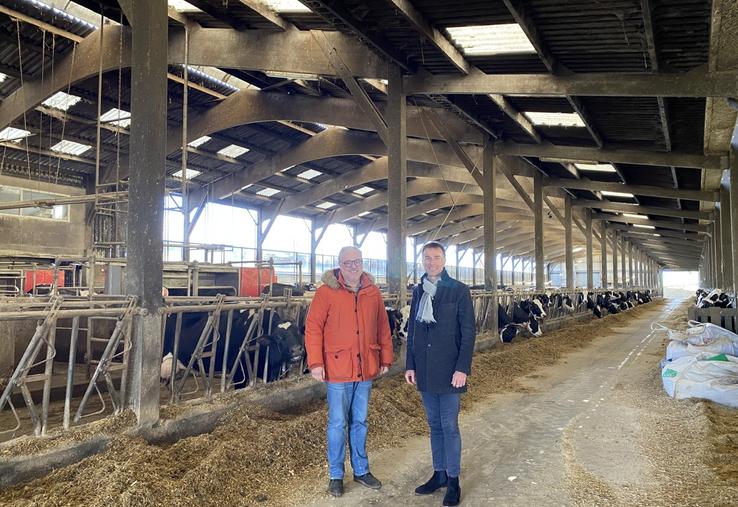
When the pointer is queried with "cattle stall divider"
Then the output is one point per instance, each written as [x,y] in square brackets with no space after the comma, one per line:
[49,313]
[216,365]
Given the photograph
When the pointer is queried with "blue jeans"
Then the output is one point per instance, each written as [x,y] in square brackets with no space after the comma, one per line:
[348,404]
[442,411]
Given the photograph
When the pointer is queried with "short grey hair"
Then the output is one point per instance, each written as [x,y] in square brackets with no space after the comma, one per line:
[346,250]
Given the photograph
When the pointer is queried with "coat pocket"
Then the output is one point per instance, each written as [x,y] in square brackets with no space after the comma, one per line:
[339,364]
[373,361]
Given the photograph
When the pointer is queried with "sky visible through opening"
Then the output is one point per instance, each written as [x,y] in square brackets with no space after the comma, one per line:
[229,225]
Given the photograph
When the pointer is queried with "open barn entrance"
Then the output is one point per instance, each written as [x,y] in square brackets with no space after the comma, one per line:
[680,284]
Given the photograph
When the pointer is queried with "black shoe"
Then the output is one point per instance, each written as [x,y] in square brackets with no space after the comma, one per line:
[368,480]
[335,487]
[453,492]
[438,480]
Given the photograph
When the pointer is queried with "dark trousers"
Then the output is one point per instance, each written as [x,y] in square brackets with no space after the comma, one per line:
[442,411]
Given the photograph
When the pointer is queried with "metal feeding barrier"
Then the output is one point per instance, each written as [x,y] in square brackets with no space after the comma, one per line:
[209,363]
[107,364]
[50,313]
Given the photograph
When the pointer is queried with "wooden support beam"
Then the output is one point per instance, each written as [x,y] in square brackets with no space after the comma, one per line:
[581,153]
[436,38]
[653,223]
[696,83]
[643,210]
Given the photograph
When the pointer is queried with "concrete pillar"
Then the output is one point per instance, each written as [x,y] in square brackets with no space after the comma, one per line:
[734,202]
[603,254]
[718,250]
[588,239]
[313,255]
[725,238]
[538,218]
[623,274]
[631,280]
[396,116]
[148,139]
[259,235]
[489,175]
[569,244]
[614,260]
[458,261]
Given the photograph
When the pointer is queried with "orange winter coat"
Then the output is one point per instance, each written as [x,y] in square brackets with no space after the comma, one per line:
[348,332]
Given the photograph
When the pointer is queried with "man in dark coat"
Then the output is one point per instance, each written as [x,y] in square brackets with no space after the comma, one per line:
[440,345]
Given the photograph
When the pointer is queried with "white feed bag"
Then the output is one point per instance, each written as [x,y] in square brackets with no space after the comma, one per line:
[700,377]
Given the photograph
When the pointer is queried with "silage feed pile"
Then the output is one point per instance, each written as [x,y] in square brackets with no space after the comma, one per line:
[259,457]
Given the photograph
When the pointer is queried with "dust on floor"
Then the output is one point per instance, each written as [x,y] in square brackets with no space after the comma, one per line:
[691,446]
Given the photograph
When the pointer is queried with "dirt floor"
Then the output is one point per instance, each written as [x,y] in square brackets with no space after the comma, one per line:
[576,417]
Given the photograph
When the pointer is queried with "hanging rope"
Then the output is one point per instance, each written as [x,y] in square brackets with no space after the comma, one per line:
[23,88]
[438,164]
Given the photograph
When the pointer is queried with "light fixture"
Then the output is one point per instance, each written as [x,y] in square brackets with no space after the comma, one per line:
[325,205]
[61,100]
[488,40]
[644,226]
[635,215]
[70,147]
[601,168]
[616,194]
[578,249]
[3,77]
[555,119]
[364,213]
[189,173]
[233,151]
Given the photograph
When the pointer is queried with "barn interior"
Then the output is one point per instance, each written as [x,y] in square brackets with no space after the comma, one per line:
[575,150]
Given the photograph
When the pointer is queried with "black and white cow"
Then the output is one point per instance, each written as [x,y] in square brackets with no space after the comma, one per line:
[281,344]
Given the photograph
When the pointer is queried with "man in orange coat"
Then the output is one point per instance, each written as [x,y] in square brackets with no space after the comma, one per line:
[348,342]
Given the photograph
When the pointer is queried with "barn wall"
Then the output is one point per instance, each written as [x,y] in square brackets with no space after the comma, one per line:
[25,235]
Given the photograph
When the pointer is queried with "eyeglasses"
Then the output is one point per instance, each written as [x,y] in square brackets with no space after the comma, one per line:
[355,263]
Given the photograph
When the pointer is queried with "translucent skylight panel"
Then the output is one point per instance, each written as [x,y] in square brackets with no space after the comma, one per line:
[202,74]
[364,213]
[309,174]
[487,40]
[326,205]
[70,147]
[644,226]
[199,141]
[233,151]
[635,215]
[3,77]
[555,119]
[182,6]
[268,192]
[286,6]
[13,134]
[61,100]
[363,190]
[616,194]
[189,173]
[117,117]
[602,168]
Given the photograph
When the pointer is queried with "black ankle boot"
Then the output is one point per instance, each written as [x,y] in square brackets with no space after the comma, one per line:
[453,492]
[438,480]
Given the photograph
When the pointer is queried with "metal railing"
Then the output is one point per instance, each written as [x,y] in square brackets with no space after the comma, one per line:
[208,369]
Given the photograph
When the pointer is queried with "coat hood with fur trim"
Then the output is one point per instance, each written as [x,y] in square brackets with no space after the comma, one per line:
[330,278]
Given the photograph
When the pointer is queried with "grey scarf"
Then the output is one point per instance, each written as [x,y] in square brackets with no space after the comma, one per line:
[425,309]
